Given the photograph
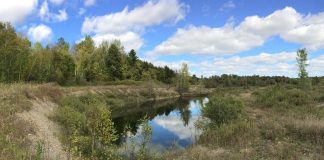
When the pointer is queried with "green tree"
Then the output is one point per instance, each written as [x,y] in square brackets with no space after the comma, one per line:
[39,64]
[222,110]
[132,57]
[113,63]
[63,63]
[84,59]
[182,79]
[14,52]
[302,72]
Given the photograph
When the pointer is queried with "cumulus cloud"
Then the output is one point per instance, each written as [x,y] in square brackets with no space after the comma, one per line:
[252,32]
[276,23]
[173,65]
[207,40]
[154,13]
[130,40]
[15,11]
[262,64]
[316,66]
[311,36]
[46,15]
[127,21]
[56,2]
[265,64]
[40,33]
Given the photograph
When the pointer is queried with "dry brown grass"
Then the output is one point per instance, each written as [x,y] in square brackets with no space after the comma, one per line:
[14,130]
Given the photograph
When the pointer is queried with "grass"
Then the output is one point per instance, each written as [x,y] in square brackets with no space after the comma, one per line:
[276,122]
[13,133]
[14,99]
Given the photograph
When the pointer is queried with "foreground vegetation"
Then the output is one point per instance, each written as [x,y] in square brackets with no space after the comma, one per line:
[276,122]
[273,122]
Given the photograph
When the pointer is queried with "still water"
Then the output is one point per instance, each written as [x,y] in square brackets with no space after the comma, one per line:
[172,121]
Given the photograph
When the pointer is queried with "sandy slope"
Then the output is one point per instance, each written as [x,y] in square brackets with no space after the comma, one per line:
[46,130]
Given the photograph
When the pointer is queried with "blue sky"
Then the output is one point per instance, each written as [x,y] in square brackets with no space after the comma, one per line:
[213,37]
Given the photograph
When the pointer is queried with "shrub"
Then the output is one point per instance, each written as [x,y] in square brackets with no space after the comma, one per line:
[278,96]
[88,127]
[222,109]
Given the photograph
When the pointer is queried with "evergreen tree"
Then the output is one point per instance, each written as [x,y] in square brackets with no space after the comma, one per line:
[132,57]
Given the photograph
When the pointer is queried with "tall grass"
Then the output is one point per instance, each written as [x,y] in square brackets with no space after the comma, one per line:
[282,98]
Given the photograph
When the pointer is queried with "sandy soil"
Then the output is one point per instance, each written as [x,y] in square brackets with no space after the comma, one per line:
[46,131]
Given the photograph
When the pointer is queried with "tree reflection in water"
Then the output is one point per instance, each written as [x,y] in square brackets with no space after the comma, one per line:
[127,119]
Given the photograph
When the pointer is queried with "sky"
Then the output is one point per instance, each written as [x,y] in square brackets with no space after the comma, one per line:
[213,37]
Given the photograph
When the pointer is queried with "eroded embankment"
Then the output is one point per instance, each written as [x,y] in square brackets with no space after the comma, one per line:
[46,131]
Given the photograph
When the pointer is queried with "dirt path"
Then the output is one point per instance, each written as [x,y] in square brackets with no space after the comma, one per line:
[46,131]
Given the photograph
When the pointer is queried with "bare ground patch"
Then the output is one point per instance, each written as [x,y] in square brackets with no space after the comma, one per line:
[46,131]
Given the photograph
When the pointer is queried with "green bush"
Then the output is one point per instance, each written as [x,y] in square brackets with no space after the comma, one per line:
[88,129]
[222,109]
[278,96]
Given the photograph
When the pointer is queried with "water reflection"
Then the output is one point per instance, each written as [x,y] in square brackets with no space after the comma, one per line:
[172,121]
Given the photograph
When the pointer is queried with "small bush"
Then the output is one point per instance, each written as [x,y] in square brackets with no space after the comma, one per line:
[222,109]
[88,127]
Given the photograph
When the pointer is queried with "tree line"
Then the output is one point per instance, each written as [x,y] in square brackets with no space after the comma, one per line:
[83,62]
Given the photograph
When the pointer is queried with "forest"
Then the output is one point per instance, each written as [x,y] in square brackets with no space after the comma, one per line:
[85,63]
[82,63]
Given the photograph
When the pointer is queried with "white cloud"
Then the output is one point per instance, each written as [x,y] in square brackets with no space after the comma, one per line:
[316,66]
[151,13]
[15,11]
[252,32]
[265,64]
[173,65]
[48,16]
[276,23]
[207,40]
[40,33]
[89,2]
[56,2]
[130,40]
[227,5]
[311,36]
[134,21]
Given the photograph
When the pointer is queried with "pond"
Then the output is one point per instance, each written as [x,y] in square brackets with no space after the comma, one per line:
[172,122]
